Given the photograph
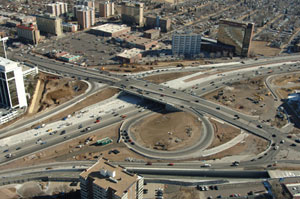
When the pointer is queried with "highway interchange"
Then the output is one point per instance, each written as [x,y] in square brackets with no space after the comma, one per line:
[187,100]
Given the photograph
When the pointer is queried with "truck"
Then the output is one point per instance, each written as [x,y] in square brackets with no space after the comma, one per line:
[104,141]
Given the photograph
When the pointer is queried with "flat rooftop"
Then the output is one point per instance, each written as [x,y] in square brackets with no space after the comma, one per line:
[232,21]
[130,53]
[7,65]
[136,40]
[122,180]
[152,31]
[111,28]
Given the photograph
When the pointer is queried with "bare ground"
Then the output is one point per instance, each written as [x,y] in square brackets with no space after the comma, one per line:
[252,145]
[262,48]
[223,133]
[170,131]
[53,91]
[97,97]
[166,77]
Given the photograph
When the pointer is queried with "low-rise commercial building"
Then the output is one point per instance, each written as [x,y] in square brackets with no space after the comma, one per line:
[69,27]
[106,181]
[49,24]
[136,42]
[110,30]
[130,56]
[29,33]
[152,34]
[69,58]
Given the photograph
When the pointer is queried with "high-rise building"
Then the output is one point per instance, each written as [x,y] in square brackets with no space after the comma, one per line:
[88,3]
[85,16]
[186,43]
[106,8]
[12,90]
[157,22]
[132,13]
[106,181]
[237,34]
[29,33]
[49,24]
[57,9]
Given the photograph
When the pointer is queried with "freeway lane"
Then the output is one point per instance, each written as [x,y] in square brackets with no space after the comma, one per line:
[64,68]
[39,117]
[186,100]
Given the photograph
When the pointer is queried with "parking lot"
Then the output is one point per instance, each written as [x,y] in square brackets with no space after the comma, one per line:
[94,50]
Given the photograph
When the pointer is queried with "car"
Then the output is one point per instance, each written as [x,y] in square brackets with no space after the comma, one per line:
[273,135]
[206,165]
[8,155]
[197,101]
[149,163]
[171,164]
[218,108]
[18,148]
[174,92]
[97,121]
[219,196]
[289,136]
[259,126]
[6,150]
[282,141]
[63,132]
[297,140]
[80,126]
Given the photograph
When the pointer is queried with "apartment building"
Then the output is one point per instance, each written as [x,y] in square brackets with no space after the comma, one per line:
[57,9]
[49,24]
[132,13]
[186,43]
[164,24]
[85,16]
[106,181]
[106,8]
[29,33]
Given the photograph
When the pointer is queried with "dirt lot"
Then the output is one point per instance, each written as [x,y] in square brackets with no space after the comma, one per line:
[252,145]
[181,192]
[55,91]
[166,77]
[169,131]
[261,48]
[223,133]
[283,80]
[287,84]
[51,92]
[97,97]
[255,101]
